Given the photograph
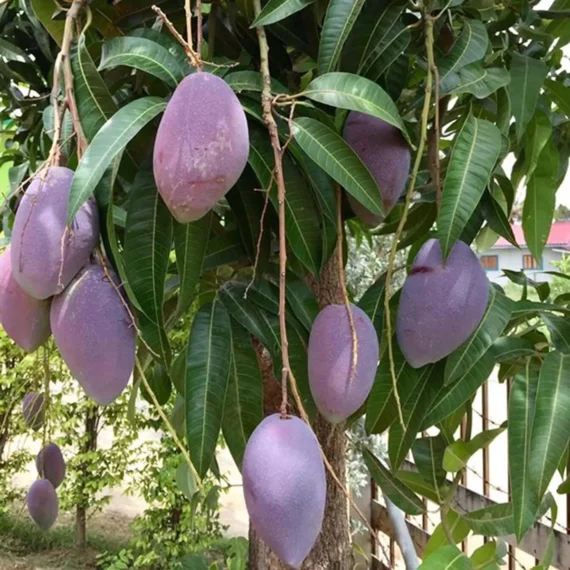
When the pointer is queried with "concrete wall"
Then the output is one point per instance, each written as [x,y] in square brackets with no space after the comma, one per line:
[511,258]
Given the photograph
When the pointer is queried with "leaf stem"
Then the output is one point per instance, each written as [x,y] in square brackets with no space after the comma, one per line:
[409,196]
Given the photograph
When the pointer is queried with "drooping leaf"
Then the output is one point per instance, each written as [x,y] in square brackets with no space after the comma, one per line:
[527,78]
[446,558]
[508,348]
[559,328]
[491,326]
[372,303]
[536,137]
[521,413]
[185,480]
[190,243]
[251,81]
[486,557]
[393,488]
[349,91]
[110,140]
[475,79]
[458,453]
[207,369]
[458,530]
[560,94]
[428,457]
[148,238]
[473,158]
[551,424]
[244,403]
[540,201]
[471,46]
[303,234]
[339,20]
[276,10]
[419,485]
[338,160]
[451,397]
[142,54]
[496,218]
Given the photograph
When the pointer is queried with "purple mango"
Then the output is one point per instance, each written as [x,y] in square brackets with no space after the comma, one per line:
[94,333]
[25,319]
[42,503]
[201,147]
[441,303]
[40,237]
[285,487]
[385,153]
[33,410]
[51,465]
[336,389]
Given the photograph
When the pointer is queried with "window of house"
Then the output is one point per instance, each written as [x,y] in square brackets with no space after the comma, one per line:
[490,262]
[530,263]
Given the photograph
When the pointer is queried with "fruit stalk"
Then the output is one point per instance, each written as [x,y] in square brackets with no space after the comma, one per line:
[266,100]
[423,138]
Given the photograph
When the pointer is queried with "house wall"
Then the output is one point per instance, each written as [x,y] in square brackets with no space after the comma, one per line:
[511,258]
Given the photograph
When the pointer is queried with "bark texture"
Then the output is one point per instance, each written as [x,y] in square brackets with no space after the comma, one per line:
[332,550]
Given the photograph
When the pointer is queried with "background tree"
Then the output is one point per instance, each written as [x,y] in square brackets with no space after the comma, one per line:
[465,82]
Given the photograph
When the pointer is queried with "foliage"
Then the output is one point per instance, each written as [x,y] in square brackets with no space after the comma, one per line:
[502,90]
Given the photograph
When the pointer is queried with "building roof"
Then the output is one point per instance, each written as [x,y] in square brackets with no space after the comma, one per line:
[559,236]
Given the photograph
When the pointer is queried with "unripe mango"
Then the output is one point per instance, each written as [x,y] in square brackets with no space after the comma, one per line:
[25,319]
[42,503]
[285,487]
[385,153]
[94,333]
[337,389]
[33,410]
[441,304]
[40,231]
[201,147]
[51,465]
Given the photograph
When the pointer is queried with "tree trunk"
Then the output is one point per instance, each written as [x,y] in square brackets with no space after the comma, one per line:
[332,550]
[89,444]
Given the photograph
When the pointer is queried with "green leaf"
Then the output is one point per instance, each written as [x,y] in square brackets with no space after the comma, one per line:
[44,12]
[459,452]
[377,34]
[244,403]
[509,348]
[521,412]
[339,20]
[418,484]
[107,143]
[339,161]
[224,249]
[414,407]
[148,237]
[381,408]
[560,95]
[303,233]
[496,218]
[540,201]
[185,480]
[372,303]
[190,243]
[95,103]
[536,136]
[496,520]
[491,326]
[471,46]
[477,80]
[207,370]
[10,52]
[276,10]
[452,397]
[475,152]
[559,328]
[486,557]
[394,489]
[251,81]
[428,457]
[527,78]
[446,558]
[142,54]
[159,383]
[348,91]
[551,423]
[458,529]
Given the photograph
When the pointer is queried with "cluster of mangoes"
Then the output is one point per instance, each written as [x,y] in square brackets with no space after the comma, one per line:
[41,500]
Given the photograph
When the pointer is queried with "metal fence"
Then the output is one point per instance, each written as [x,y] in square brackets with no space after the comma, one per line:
[485,483]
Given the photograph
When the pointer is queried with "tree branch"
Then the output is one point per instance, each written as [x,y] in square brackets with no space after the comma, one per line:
[403,537]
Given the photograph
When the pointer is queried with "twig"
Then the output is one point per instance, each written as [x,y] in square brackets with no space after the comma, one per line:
[54,153]
[339,239]
[409,196]
[169,426]
[269,120]
[437,134]
[199,32]
[447,505]
[187,46]
[188,11]
[45,435]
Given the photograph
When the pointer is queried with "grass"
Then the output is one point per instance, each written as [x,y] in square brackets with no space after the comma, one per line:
[24,546]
